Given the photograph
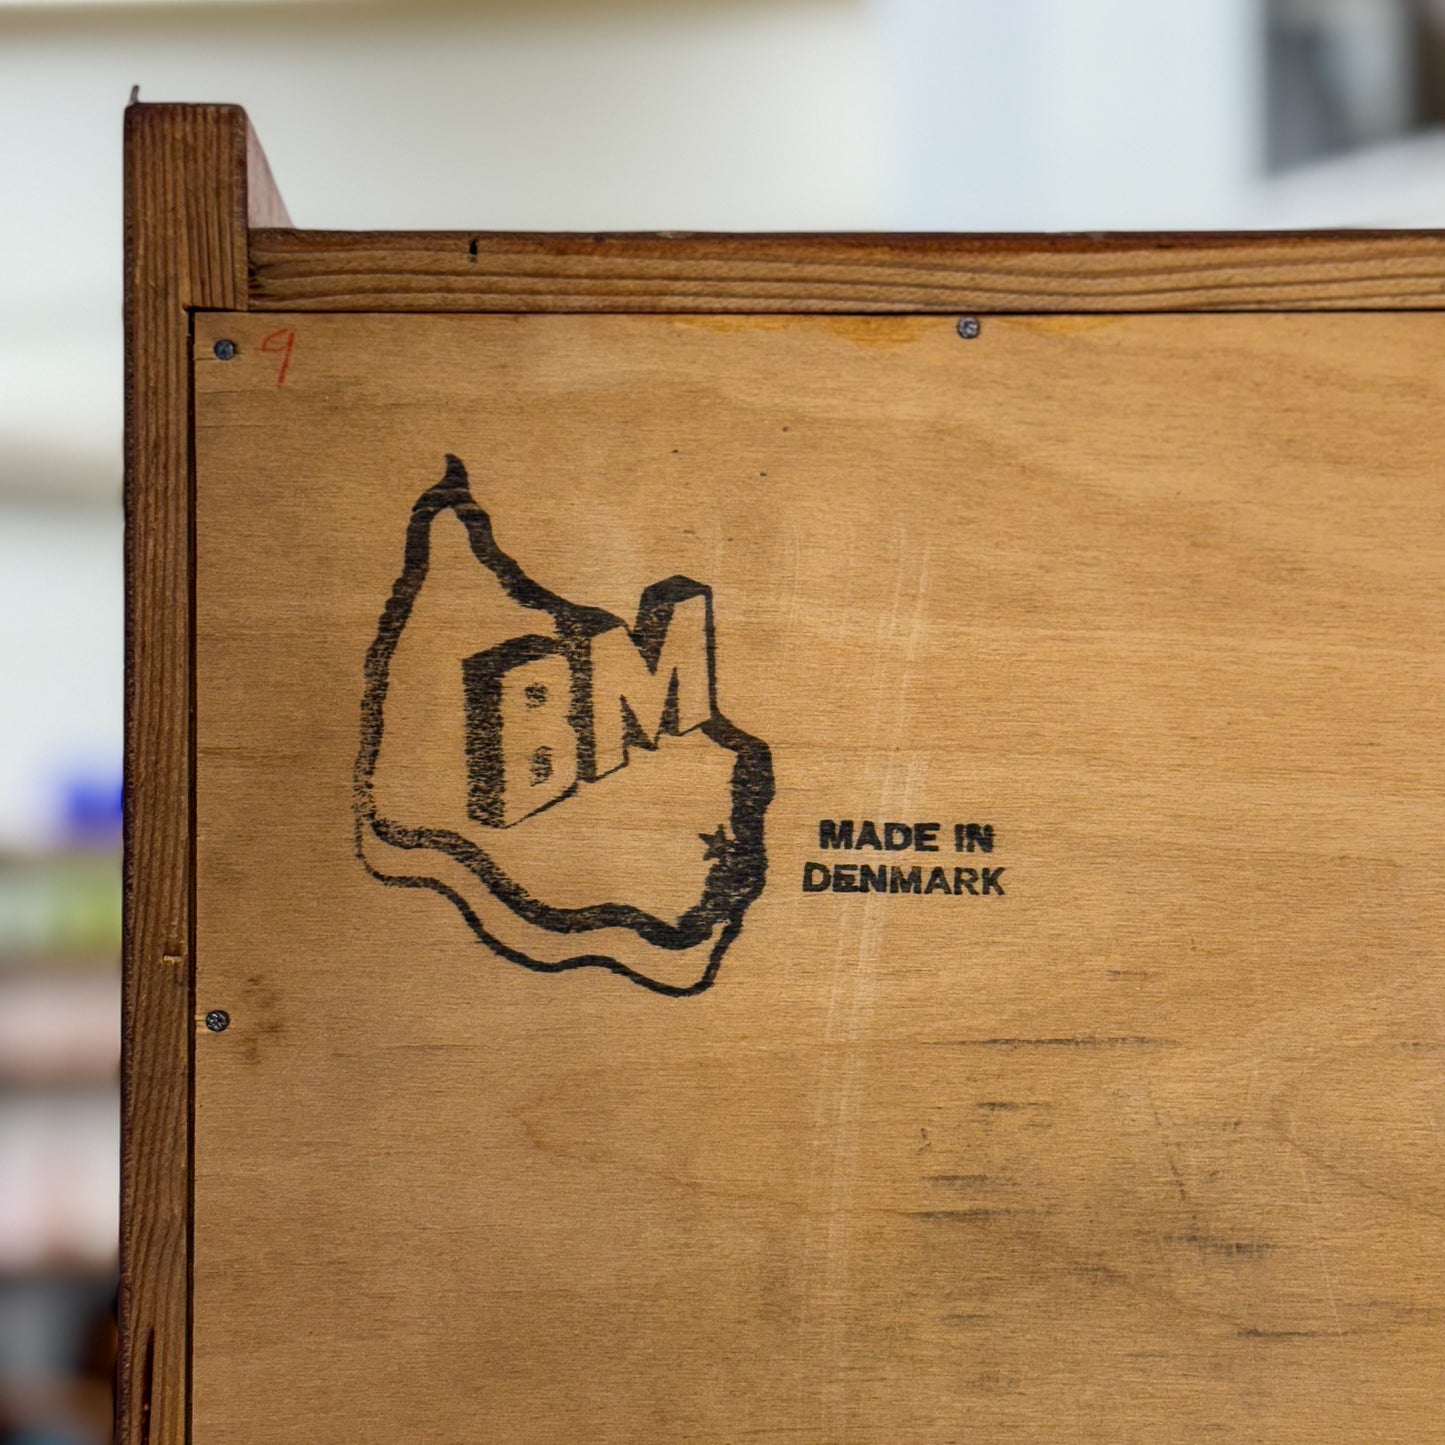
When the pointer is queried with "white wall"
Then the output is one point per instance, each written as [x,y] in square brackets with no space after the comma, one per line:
[1071,114]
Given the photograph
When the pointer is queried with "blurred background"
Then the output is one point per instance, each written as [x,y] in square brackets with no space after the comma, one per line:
[545,114]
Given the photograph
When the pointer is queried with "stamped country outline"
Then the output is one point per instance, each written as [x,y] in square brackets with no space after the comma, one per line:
[738,875]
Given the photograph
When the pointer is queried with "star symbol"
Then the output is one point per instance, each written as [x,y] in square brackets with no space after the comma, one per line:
[719,845]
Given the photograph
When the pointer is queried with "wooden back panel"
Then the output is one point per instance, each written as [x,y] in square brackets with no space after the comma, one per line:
[1114,1121]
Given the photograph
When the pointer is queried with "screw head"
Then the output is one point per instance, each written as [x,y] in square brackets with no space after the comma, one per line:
[969,327]
[218,1020]
[224,350]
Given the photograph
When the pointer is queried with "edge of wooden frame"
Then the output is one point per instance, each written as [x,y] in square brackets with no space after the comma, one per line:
[186,216]
[205,229]
[294,270]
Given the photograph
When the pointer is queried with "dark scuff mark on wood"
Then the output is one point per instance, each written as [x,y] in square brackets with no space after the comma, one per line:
[965,1181]
[965,1216]
[1086,1041]
[1100,1274]
[1217,1244]
[148,1380]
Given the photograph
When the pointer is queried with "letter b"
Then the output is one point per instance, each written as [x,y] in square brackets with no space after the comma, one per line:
[521,745]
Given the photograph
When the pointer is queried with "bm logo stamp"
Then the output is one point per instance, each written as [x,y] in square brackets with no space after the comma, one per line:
[567,780]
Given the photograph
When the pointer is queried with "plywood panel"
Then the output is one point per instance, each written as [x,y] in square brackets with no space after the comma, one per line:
[598,1125]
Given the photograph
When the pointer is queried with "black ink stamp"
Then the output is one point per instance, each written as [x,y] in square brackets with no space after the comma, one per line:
[563,727]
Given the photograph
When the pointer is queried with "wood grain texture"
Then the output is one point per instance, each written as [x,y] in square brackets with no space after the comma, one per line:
[264,204]
[1144,1148]
[185,246]
[458,271]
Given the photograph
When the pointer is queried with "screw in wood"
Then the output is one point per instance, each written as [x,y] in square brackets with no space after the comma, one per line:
[224,350]
[218,1020]
[968,328]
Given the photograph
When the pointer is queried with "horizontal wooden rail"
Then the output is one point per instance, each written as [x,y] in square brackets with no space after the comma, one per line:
[460,271]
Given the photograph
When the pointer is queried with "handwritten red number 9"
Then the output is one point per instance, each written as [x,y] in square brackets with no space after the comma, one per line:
[280,343]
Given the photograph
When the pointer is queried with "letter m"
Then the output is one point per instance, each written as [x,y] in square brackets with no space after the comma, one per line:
[655,679]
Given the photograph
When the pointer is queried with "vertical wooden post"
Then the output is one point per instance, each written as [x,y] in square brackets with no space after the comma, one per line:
[186,218]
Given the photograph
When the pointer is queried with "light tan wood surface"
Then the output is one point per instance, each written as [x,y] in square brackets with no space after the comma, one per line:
[1145,1148]
[677,271]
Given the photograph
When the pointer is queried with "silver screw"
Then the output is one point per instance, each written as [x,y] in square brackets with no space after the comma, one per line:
[968,328]
[224,350]
[218,1020]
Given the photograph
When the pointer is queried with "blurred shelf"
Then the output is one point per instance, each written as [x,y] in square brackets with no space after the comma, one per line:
[59,1027]
[59,906]
[57,1358]
[60,1162]
[82,964]
[59,1273]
